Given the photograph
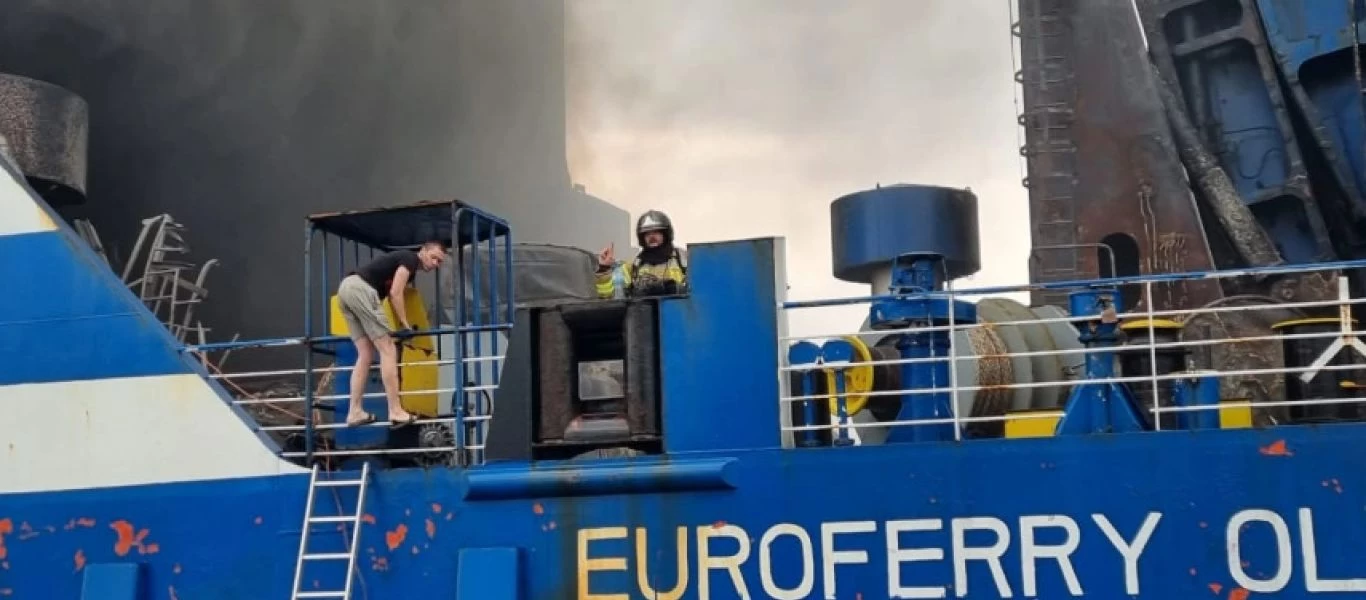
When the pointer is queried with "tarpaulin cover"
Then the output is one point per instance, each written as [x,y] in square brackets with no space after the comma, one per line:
[541,273]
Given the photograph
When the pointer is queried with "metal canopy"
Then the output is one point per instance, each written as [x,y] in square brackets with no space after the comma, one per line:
[411,225]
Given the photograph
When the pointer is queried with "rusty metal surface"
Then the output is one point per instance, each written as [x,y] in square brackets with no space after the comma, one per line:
[1101,159]
[47,130]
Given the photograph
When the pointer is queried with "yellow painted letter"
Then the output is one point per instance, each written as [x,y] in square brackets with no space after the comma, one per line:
[588,565]
[643,566]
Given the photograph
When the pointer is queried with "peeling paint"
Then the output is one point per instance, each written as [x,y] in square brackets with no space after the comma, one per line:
[436,508]
[79,560]
[6,528]
[1276,448]
[1237,594]
[1215,588]
[79,522]
[537,508]
[127,539]
[431,529]
[368,519]
[395,538]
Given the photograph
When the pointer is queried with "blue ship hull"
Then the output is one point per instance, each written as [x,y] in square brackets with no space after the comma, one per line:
[1275,512]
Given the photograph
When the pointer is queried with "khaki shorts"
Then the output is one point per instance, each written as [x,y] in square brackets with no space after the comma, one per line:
[360,306]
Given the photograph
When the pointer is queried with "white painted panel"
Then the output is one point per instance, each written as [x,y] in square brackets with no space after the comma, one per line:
[18,212]
[130,431]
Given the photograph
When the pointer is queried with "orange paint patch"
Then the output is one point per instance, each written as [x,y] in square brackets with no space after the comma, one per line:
[718,524]
[431,529]
[1216,588]
[6,528]
[79,559]
[436,508]
[150,549]
[368,519]
[1276,448]
[537,508]
[128,539]
[395,538]
[1237,594]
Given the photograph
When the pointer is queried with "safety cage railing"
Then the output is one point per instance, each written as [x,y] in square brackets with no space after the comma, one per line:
[945,364]
[449,369]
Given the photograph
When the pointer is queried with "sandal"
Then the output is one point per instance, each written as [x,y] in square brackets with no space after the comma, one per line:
[396,423]
[366,420]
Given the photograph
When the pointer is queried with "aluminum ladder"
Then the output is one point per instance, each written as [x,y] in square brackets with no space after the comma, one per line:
[314,484]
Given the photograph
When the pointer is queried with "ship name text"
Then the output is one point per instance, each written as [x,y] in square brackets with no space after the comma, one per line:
[832,559]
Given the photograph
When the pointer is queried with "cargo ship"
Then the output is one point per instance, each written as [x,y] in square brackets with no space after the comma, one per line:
[1135,430]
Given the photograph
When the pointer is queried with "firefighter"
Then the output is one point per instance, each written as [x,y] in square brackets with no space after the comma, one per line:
[660,269]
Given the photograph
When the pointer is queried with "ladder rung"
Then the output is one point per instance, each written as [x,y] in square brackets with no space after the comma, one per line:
[339,483]
[340,519]
[328,556]
[320,595]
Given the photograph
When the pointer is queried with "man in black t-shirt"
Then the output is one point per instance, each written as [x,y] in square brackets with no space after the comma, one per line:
[359,296]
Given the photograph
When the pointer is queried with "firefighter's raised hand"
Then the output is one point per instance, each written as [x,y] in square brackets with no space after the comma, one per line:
[607,257]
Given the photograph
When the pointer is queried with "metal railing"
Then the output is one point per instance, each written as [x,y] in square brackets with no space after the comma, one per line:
[298,411]
[996,366]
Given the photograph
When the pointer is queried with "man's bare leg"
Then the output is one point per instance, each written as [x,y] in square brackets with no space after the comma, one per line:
[365,355]
[388,368]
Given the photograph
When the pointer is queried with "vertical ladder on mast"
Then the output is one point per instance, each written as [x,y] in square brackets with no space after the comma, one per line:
[314,484]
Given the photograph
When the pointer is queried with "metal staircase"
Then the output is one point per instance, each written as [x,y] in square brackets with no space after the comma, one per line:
[352,542]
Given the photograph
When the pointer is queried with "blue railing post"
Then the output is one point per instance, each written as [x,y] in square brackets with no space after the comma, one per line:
[308,345]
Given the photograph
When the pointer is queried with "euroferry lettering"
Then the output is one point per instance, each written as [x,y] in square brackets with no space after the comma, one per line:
[830,551]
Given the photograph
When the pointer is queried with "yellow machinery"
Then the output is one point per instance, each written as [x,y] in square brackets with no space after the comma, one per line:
[420,377]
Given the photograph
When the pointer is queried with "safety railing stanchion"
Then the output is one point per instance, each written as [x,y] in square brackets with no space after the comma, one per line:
[1156,410]
[307,345]
[953,362]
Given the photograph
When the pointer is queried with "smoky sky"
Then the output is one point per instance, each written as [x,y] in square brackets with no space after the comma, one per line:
[744,118]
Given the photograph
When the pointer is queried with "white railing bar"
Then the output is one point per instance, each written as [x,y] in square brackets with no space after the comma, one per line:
[370,451]
[953,371]
[1152,347]
[1250,404]
[343,425]
[939,421]
[1069,319]
[473,388]
[450,361]
[1077,382]
[1124,348]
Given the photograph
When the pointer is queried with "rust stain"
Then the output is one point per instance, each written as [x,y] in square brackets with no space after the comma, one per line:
[128,539]
[718,524]
[379,563]
[436,508]
[1276,448]
[79,559]
[1216,588]
[1237,594]
[6,528]
[537,508]
[368,519]
[431,529]
[395,538]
